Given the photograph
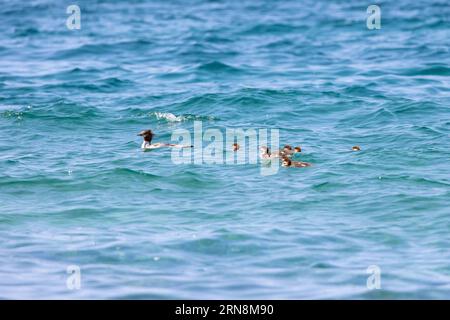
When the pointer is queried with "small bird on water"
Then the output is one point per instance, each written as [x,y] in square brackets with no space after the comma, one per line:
[147,144]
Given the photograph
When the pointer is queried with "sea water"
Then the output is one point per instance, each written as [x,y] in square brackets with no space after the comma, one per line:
[84,213]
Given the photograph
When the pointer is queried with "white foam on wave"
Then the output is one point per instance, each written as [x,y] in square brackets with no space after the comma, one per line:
[168,117]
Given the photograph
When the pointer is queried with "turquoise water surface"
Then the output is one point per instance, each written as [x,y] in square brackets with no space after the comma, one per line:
[76,190]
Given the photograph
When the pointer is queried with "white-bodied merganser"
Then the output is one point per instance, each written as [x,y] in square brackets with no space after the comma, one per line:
[264,153]
[148,145]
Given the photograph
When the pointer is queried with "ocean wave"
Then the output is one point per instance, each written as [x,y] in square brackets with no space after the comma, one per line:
[86,180]
[239,99]
[428,130]
[26,32]
[417,107]
[279,44]
[375,117]
[437,70]
[92,49]
[271,28]
[75,188]
[362,91]
[161,116]
[416,180]
[107,85]
[57,111]
[87,72]
[217,66]
[28,182]
[170,117]
[128,173]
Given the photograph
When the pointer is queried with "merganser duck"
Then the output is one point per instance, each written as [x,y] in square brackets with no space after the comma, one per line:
[148,145]
[296,164]
[265,153]
[289,152]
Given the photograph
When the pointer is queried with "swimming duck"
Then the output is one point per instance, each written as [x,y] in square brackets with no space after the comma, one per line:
[147,144]
[296,164]
[288,151]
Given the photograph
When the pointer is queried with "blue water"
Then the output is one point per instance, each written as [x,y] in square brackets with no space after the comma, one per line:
[75,188]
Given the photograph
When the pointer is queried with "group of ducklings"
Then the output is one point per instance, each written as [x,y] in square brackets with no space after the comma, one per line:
[285,154]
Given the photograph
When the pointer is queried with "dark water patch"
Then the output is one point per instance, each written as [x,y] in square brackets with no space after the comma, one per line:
[328,186]
[218,39]
[123,176]
[417,108]
[22,9]
[244,100]
[380,116]
[223,245]
[108,85]
[194,181]
[208,52]
[35,181]
[362,91]
[26,32]
[117,48]
[202,101]
[80,213]
[279,44]
[437,70]
[216,67]
[148,99]
[113,83]
[408,180]
[429,131]
[89,74]
[272,28]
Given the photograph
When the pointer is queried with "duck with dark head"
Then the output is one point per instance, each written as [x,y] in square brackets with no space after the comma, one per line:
[286,162]
[287,151]
[148,136]
[147,144]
